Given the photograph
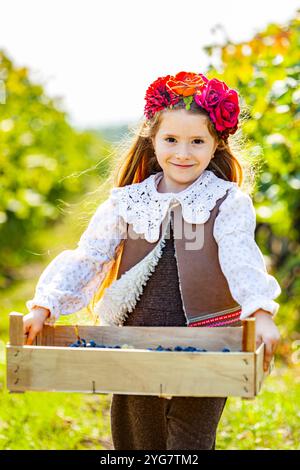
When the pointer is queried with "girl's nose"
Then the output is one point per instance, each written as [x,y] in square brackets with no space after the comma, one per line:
[183,152]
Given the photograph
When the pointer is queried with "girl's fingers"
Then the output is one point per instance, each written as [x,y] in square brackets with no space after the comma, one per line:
[27,322]
[258,340]
[270,349]
[25,327]
[31,336]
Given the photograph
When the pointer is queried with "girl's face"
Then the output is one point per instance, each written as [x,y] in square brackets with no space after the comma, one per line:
[183,147]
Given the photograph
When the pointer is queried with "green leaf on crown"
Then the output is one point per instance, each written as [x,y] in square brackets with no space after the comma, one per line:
[187,100]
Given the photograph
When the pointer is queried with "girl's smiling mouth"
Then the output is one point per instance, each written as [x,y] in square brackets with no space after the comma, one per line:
[182,166]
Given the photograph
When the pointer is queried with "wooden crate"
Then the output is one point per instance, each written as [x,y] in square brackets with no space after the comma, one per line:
[51,365]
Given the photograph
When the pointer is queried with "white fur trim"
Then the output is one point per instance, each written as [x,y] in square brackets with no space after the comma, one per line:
[122,295]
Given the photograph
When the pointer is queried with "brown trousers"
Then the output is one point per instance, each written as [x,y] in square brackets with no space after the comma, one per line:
[153,423]
[146,422]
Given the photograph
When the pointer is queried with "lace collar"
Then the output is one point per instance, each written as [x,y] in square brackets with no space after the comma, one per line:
[142,205]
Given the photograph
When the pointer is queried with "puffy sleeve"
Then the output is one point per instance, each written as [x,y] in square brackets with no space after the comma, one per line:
[240,258]
[70,280]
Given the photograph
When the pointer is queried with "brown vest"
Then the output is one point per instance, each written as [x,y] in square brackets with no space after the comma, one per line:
[204,289]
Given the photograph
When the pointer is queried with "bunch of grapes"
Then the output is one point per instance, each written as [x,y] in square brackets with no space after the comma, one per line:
[81,343]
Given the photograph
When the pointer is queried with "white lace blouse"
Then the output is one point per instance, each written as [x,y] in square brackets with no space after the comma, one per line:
[71,279]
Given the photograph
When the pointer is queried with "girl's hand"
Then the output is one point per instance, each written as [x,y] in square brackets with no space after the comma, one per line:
[266,332]
[33,322]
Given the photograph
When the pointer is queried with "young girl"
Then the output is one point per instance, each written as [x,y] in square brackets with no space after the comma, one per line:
[136,265]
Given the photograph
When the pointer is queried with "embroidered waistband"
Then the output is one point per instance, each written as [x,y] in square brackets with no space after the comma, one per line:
[216,314]
[218,320]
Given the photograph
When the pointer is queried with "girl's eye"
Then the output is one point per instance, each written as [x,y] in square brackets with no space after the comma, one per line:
[198,140]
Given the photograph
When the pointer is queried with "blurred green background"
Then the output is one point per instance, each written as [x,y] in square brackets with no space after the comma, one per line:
[47,169]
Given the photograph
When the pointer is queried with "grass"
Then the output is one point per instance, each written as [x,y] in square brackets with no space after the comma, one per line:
[270,421]
[53,421]
[40,420]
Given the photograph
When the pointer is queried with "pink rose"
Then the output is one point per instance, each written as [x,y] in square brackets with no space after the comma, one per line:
[212,94]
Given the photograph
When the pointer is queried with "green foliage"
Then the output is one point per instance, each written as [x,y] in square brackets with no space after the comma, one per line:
[41,159]
[265,71]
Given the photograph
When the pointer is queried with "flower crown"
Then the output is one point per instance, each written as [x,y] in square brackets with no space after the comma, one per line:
[214,96]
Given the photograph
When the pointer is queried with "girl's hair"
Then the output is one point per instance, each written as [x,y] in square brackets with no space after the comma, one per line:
[136,158]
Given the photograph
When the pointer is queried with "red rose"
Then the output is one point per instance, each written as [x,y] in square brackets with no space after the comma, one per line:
[225,115]
[158,97]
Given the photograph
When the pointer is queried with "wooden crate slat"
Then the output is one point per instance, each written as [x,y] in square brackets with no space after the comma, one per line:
[249,338]
[259,369]
[62,335]
[16,328]
[130,371]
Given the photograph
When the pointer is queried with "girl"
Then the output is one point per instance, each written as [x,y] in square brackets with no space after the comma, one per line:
[140,267]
